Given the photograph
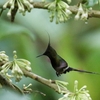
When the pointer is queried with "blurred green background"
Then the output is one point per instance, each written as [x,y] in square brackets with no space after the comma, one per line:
[78,43]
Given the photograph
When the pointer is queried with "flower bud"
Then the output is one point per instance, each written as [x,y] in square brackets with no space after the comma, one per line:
[9,13]
[5,5]
[69,1]
[84,16]
[80,9]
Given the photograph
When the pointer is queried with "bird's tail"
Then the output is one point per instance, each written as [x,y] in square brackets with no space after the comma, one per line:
[83,71]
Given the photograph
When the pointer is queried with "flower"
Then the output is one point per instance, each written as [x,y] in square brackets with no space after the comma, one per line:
[60,10]
[69,1]
[16,66]
[77,16]
[21,5]
[16,71]
[27,88]
[3,58]
[82,14]
[79,94]
[80,9]
[61,86]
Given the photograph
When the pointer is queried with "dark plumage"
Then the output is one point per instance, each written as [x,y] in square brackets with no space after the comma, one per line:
[58,63]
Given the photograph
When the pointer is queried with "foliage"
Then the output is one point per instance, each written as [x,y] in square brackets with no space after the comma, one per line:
[76,42]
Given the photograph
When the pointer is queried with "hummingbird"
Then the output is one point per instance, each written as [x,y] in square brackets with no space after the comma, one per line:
[58,63]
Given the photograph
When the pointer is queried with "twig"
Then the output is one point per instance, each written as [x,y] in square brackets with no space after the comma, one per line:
[6,83]
[73,9]
[92,13]
[50,83]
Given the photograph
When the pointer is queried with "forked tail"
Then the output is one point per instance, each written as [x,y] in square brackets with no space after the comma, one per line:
[83,71]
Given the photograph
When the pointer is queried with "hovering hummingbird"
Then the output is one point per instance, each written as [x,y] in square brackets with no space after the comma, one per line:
[58,63]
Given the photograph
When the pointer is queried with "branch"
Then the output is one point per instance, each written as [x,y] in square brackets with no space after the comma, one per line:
[20,67]
[6,83]
[92,13]
[50,83]
[73,9]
